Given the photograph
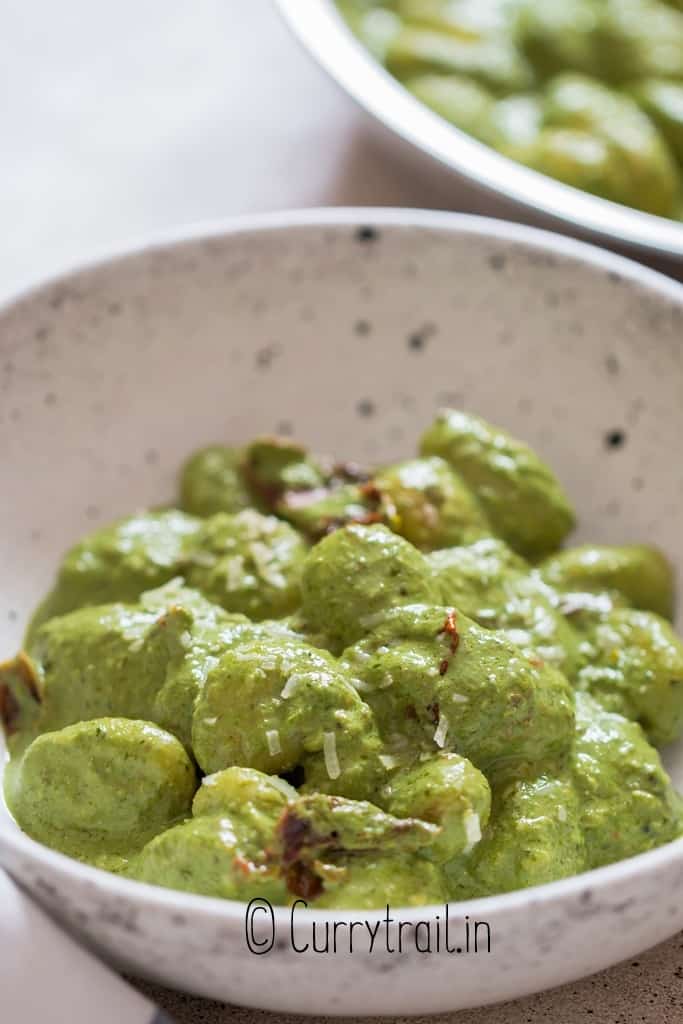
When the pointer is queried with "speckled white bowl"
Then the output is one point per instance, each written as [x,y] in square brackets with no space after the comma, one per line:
[348,328]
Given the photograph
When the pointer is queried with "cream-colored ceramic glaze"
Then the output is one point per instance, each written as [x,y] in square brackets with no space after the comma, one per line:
[308,322]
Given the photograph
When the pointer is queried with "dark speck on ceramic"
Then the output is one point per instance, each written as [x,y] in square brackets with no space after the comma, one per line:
[419,338]
[497,261]
[365,407]
[366,233]
[265,356]
[615,438]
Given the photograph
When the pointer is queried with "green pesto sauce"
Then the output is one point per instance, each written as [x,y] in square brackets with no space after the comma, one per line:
[349,685]
[587,91]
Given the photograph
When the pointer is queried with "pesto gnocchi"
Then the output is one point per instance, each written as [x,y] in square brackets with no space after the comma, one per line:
[353,686]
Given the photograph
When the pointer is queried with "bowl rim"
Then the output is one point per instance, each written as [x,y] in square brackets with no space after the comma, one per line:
[215,909]
[321,30]
[617,877]
[400,217]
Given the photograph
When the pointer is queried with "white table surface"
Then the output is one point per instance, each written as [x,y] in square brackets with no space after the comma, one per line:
[121,119]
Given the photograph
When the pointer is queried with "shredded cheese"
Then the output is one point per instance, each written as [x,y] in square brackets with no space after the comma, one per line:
[282,786]
[389,761]
[330,754]
[208,665]
[562,813]
[291,685]
[472,830]
[263,560]
[234,572]
[441,731]
[226,833]
[273,740]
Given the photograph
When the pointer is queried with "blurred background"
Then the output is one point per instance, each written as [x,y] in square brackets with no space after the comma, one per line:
[120,120]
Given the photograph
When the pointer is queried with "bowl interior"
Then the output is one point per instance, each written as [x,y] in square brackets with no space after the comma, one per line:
[348,329]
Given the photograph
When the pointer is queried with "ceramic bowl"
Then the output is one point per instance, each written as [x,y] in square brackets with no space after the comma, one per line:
[323,32]
[348,329]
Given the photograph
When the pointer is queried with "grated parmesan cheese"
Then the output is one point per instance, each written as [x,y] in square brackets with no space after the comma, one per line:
[441,731]
[389,761]
[562,813]
[459,698]
[273,740]
[472,830]
[226,833]
[291,685]
[282,786]
[519,637]
[330,754]
[234,572]
[263,560]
